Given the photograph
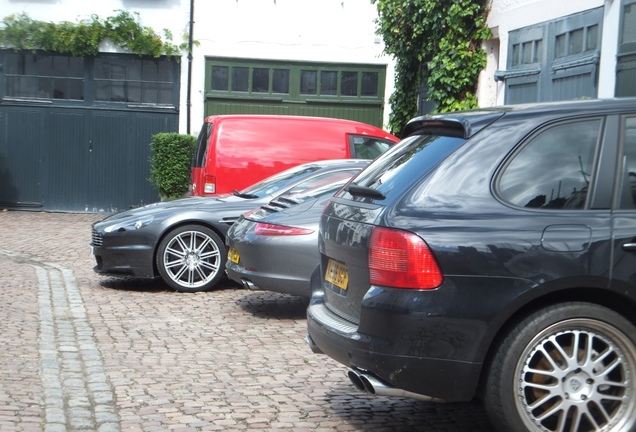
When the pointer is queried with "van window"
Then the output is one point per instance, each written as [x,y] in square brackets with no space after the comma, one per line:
[365,147]
[201,149]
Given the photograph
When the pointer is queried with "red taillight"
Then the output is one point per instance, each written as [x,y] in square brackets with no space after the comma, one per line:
[265,229]
[402,260]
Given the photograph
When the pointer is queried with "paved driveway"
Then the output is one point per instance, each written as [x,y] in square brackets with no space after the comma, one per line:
[84,352]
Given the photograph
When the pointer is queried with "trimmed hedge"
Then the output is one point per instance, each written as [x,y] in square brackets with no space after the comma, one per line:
[170,163]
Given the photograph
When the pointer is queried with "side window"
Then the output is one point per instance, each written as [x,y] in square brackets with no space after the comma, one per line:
[554,169]
[44,76]
[320,181]
[322,185]
[134,80]
[365,147]
[628,196]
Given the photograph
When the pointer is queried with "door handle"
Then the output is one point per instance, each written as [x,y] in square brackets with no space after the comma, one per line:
[629,247]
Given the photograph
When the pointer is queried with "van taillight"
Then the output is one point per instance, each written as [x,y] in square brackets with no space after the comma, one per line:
[209,186]
[401,259]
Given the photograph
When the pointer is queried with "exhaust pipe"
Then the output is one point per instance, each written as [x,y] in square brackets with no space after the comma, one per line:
[248,284]
[369,384]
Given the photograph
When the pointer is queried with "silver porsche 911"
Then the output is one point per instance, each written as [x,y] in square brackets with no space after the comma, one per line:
[275,247]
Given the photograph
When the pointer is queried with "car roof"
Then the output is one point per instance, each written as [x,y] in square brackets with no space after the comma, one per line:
[281,117]
[326,163]
[338,125]
[467,123]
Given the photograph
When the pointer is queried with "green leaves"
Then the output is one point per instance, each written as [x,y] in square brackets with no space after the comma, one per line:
[82,39]
[170,163]
[437,46]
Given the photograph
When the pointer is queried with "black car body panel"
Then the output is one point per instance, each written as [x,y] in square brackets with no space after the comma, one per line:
[127,250]
[499,260]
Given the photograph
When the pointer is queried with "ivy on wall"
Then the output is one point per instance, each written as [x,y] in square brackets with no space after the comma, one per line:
[82,38]
[436,43]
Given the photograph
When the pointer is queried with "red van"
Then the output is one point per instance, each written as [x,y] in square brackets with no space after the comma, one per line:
[236,151]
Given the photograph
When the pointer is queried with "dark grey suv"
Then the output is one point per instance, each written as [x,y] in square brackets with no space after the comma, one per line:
[491,254]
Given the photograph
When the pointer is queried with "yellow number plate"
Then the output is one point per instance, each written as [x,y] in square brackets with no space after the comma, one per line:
[233,255]
[337,274]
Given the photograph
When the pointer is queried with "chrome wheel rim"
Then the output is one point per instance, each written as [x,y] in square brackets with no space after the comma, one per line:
[577,375]
[191,259]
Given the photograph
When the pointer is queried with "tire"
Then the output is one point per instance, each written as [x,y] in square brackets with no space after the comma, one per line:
[535,383]
[191,258]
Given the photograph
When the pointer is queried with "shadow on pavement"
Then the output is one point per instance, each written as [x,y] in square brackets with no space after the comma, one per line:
[135,284]
[130,283]
[266,304]
[410,414]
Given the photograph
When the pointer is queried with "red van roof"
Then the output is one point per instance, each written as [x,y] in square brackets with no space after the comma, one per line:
[346,124]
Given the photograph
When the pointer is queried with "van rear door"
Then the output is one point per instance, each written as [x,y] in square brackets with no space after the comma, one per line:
[197,173]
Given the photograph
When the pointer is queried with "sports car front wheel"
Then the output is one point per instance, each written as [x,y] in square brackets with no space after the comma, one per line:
[191,258]
[570,367]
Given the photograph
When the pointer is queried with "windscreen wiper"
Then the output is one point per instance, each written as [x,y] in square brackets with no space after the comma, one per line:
[364,191]
[244,195]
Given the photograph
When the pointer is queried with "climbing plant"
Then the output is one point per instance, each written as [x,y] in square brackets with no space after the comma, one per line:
[436,44]
[82,38]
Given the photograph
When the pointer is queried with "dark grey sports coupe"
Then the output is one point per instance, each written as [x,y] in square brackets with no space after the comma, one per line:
[183,241]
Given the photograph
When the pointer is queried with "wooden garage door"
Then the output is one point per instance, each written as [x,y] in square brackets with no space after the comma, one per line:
[236,86]
[75,132]
[555,60]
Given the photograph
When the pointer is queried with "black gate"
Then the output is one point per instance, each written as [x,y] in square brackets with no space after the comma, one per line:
[60,159]
[81,143]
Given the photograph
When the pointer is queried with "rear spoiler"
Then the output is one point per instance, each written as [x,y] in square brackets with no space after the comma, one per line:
[461,125]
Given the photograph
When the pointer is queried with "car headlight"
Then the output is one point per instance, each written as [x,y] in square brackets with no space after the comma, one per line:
[130,224]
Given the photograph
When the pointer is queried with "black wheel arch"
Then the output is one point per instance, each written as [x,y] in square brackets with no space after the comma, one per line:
[621,304]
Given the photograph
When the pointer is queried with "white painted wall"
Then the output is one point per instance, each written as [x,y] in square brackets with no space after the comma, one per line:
[609,49]
[338,31]
[509,15]
[158,14]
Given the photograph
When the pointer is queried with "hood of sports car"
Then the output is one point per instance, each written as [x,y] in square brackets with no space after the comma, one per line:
[219,208]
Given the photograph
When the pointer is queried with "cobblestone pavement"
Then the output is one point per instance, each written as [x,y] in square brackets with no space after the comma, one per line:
[82,352]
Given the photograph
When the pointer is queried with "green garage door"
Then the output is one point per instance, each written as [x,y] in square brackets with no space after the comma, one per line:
[349,91]
[75,132]
[626,59]
[554,60]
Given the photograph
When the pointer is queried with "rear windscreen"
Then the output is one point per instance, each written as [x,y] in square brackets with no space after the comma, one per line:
[406,162]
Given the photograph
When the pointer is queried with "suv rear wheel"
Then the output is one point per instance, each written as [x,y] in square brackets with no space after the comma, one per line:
[568,367]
